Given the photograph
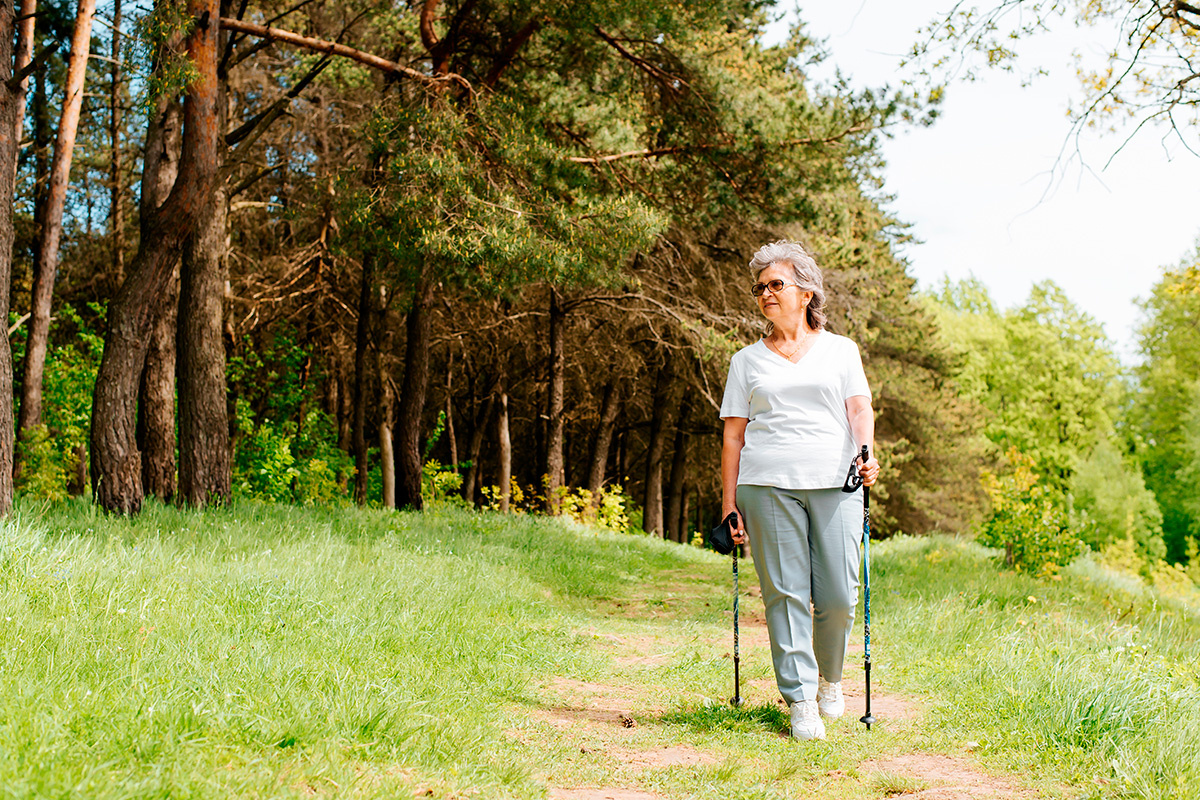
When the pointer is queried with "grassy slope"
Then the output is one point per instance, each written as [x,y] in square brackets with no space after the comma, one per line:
[268,651]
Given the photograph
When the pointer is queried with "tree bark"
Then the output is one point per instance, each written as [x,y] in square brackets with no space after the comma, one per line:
[387,453]
[116,218]
[475,449]
[609,408]
[450,435]
[678,473]
[156,401]
[412,399]
[554,404]
[51,233]
[505,454]
[652,505]
[116,461]
[23,57]
[9,142]
[362,343]
[204,462]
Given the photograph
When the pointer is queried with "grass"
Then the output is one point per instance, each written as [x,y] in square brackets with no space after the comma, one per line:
[272,651]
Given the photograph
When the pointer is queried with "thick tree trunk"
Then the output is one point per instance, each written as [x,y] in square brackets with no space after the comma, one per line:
[554,405]
[362,343]
[678,473]
[116,461]
[652,505]
[51,233]
[116,214]
[204,462]
[9,142]
[412,399]
[505,454]
[475,449]
[156,401]
[387,454]
[610,406]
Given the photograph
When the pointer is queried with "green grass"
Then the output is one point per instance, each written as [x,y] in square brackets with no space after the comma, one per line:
[270,651]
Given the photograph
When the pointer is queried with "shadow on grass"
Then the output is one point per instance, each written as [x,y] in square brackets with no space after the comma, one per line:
[747,719]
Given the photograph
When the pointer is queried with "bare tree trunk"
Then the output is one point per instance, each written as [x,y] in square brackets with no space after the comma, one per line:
[51,234]
[412,399]
[450,414]
[116,461]
[387,451]
[505,455]
[678,473]
[652,505]
[204,462]
[362,343]
[609,408]
[554,406]
[23,56]
[9,142]
[156,396]
[475,449]
[684,512]
[116,206]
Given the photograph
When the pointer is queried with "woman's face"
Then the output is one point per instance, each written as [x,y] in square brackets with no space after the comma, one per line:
[789,301]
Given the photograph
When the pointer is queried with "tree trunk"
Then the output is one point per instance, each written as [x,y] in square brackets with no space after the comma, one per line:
[156,406]
[609,408]
[684,512]
[9,142]
[387,451]
[23,56]
[362,343]
[116,218]
[652,505]
[475,449]
[116,461]
[412,399]
[678,473]
[204,462]
[554,405]
[51,233]
[505,455]
[453,439]
[156,402]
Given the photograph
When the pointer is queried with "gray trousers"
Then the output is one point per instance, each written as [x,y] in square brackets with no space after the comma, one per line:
[805,544]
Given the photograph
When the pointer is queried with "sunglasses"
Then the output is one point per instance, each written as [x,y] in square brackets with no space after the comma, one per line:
[776,286]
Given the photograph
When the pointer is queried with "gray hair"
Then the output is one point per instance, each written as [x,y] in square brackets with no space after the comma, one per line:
[804,270]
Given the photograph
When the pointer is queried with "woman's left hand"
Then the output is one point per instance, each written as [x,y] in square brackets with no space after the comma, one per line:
[869,471]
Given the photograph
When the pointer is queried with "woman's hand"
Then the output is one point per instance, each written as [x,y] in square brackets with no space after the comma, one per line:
[739,530]
[869,471]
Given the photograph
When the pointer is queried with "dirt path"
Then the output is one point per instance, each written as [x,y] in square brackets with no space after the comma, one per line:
[617,746]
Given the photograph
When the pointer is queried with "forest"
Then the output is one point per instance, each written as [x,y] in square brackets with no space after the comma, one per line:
[493,253]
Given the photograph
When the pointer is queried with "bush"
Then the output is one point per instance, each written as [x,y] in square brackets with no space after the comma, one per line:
[1035,531]
[606,510]
[276,463]
[439,484]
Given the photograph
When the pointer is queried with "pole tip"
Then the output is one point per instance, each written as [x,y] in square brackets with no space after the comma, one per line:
[867,720]
[736,701]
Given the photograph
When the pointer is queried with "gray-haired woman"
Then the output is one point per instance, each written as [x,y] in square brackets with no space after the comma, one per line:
[797,409]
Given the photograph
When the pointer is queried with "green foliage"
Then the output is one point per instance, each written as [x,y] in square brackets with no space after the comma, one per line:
[49,454]
[606,511]
[1164,417]
[156,51]
[1115,503]
[439,484]
[278,463]
[1026,520]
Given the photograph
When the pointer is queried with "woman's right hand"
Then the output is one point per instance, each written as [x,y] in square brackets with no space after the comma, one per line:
[739,530]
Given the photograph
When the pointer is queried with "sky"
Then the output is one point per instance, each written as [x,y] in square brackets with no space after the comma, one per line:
[994,188]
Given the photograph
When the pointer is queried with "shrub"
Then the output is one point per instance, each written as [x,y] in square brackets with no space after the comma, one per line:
[1035,532]
[439,484]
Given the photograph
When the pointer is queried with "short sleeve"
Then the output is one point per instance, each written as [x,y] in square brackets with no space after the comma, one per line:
[855,381]
[736,402]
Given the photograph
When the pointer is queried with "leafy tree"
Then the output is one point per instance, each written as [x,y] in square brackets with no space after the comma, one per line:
[1165,412]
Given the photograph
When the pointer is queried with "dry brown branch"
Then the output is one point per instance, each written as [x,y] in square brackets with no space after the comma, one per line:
[666,151]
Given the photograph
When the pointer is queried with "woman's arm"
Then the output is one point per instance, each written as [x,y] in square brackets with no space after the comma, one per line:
[731,458]
[861,417]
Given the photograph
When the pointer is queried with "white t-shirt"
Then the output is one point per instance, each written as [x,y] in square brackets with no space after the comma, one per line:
[798,436]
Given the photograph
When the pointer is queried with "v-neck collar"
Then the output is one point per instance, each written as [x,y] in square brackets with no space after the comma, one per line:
[819,336]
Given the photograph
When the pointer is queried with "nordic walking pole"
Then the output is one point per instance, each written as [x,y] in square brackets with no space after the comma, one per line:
[736,700]
[866,719]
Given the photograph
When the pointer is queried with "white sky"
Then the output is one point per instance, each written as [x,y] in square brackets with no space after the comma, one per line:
[980,185]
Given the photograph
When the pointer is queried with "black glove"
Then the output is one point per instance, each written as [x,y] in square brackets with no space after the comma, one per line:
[721,537]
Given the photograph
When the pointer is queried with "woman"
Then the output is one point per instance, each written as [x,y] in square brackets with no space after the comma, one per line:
[797,410]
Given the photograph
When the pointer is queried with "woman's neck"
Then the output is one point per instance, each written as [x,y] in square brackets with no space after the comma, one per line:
[792,330]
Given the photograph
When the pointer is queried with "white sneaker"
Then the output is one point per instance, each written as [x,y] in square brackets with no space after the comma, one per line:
[806,721]
[829,699]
